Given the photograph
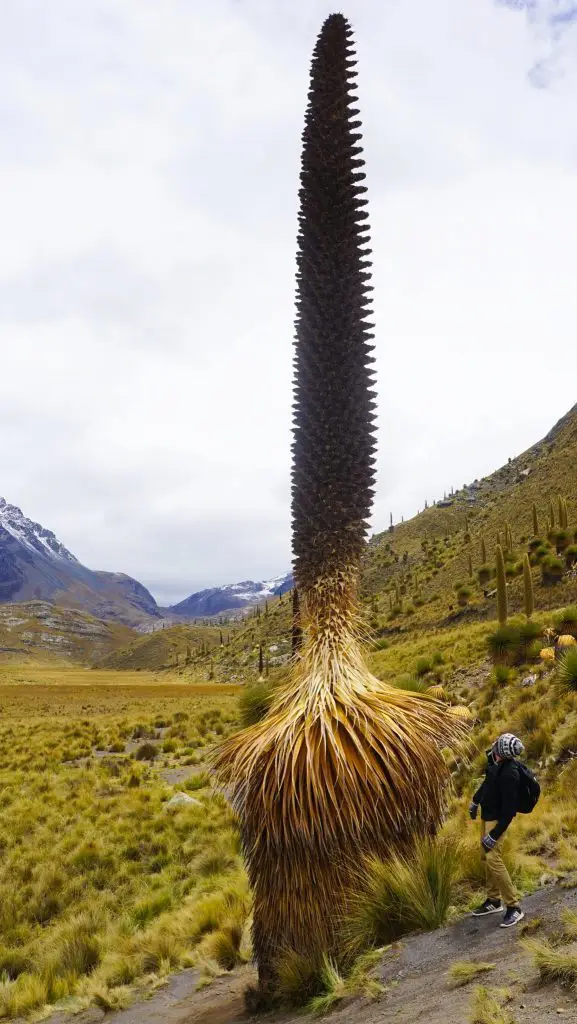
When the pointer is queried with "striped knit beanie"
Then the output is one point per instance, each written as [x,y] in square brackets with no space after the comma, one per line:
[508,747]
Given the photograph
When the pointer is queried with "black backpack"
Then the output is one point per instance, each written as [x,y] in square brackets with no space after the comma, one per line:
[529,789]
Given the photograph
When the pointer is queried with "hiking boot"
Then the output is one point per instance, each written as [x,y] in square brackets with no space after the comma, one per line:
[512,917]
[488,907]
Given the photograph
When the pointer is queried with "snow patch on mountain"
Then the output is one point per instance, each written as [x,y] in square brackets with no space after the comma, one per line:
[32,535]
[233,597]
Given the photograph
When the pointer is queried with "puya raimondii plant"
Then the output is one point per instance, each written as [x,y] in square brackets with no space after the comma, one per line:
[342,765]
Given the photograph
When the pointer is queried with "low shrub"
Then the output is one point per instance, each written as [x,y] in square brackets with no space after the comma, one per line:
[464,595]
[503,644]
[571,556]
[562,540]
[552,569]
[409,682]
[514,643]
[146,752]
[423,666]
[565,621]
[381,643]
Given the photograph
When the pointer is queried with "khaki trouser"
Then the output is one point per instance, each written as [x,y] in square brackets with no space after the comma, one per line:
[499,884]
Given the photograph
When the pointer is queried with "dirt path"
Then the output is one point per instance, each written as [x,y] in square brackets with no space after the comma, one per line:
[415,974]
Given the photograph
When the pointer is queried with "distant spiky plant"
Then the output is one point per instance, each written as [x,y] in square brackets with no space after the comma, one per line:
[528,587]
[535,522]
[483,551]
[552,515]
[501,586]
[297,633]
[343,765]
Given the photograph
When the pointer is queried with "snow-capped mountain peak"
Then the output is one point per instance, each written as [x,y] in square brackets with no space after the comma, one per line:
[32,535]
[234,596]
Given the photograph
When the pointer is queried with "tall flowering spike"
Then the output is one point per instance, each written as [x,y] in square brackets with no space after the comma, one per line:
[333,450]
[343,766]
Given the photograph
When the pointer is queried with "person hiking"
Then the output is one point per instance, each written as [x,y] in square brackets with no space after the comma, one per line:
[498,798]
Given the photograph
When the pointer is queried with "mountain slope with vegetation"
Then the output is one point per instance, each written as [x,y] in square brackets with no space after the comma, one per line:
[418,568]
[33,629]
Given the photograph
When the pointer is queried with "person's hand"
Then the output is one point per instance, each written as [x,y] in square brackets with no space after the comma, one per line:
[473,810]
[487,842]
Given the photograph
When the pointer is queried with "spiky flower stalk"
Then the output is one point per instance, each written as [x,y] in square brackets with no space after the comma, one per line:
[535,522]
[552,514]
[528,593]
[483,552]
[501,586]
[343,765]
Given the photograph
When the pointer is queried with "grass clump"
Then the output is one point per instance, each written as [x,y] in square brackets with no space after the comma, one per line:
[254,703]
[554,965]
[487,1008]
[462,972]
[318,987]
[411,683]
[336,987]
[403,895]
[147,752]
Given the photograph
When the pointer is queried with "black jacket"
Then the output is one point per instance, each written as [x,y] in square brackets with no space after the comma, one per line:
[498,795]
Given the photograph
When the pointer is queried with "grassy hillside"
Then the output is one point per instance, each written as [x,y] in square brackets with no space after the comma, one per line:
[224,653]
[182,647]
[427,557]
[35,629]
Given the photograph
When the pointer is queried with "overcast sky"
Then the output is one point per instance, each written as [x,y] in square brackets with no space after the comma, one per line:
[149,157]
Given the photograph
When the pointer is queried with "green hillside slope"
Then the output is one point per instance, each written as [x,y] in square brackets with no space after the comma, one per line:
[417,566]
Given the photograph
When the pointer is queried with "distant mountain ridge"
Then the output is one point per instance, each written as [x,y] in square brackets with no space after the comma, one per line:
[35,565]
[234,597]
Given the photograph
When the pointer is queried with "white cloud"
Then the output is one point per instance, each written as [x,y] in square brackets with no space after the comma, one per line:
[148,179]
